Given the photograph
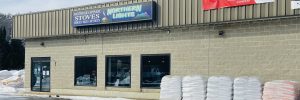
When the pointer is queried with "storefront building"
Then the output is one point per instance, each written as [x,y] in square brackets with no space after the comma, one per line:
[124,48]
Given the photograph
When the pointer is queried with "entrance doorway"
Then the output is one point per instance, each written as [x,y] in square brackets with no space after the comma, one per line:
[40,74]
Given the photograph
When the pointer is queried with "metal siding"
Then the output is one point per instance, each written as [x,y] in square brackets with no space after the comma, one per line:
[16,33]
[28,25]
[188,11]
[43,33]
[234,13]
[159,13]
[60,23]
[56,32]
[20,27]
[64,22]
[257,11]
[182,10]
[25,25]
[220,14]
[52,23]
[249,11]
[169,13]
[241,12]
[71,24]
[176,12]
[194,11]
[200,13]
[227,13]
[47,23]
[31,25]
[40,25]
[273,8]
[67,16]
[289,11]
[165,12]
[281,7]
[206,16]
[14,27]
[213,15]
[265,10]
[23,34]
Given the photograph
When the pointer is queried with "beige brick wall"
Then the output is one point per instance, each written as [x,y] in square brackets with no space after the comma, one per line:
[267,49]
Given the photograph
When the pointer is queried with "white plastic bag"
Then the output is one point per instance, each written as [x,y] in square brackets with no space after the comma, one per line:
[247,88]
[219,88]
[194,88]
[281,90]
[170,88]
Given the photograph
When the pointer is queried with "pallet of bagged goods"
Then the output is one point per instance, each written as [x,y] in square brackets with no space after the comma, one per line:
[281,90]
[194,87]
[247,88]
[219,88]
[170,88]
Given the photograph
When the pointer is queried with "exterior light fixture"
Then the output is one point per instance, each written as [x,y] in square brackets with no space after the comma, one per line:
[221,33]
[42,44]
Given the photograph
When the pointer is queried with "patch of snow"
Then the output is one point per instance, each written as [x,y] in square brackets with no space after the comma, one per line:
[5,74]
[11,82]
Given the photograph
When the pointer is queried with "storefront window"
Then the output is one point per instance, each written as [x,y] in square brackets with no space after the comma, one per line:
[85,71]
[118,71]
[154,67]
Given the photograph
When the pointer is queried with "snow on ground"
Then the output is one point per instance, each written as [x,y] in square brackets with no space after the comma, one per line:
[12,83]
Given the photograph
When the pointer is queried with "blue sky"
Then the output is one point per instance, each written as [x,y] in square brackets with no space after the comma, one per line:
[25,6]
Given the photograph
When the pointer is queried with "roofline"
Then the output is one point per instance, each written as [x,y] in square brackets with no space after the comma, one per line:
[81,6]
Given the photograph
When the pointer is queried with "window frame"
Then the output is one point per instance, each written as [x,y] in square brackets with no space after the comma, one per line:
[141,68]
[106,70]
[89,56]
[47,58]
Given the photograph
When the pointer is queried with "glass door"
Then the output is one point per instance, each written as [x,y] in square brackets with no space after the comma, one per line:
[40,74]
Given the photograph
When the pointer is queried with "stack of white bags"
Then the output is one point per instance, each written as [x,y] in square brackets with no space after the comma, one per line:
[247,88]
[194,88]
[170,88]
[281,90]
[219,88]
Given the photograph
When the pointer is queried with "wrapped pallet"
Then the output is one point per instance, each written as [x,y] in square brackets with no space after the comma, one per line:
[247,88]
[170,88]
[219,88]
[194,88]
[281,90]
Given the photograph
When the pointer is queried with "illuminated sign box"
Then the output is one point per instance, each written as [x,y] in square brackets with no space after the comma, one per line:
[119,14]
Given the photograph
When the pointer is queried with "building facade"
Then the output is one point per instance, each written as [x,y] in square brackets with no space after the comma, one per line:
[128,57]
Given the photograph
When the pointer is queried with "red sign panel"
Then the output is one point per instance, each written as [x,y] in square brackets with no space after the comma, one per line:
[215,4]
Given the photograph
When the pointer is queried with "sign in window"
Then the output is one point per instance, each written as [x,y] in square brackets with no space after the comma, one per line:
[118,72]
[85,71]
[154,67]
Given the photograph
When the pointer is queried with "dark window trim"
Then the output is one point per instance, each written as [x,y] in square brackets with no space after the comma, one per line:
[141,67]
[106,72]
[38,58]
[75,70]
